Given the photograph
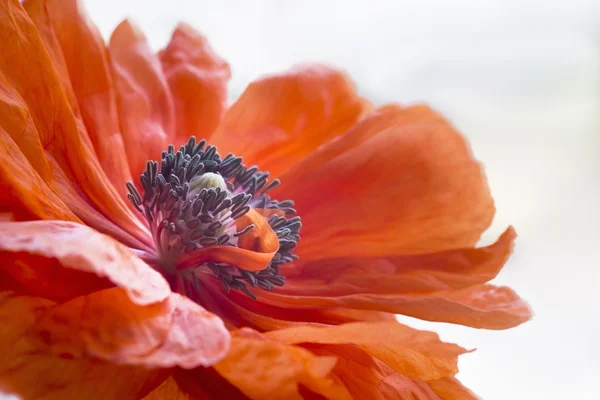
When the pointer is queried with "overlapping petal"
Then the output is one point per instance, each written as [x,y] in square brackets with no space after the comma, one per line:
[401,181]
[89,75]
[280,119]
[61,260]
[144,101]
[57,351]
[254,251]
[48,131]
[267,369]
[197,78]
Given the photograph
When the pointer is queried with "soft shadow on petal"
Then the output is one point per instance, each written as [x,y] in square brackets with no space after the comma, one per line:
[367,377]
[413,353]
[480,306]
[48,122]
[282,118]
[145,104]
[422,273]
[106,325]
[29,369]
[263,369]
[254,252]
[23,191]
[401,181]
[197,78]
[238,310]
[169,390]
[85,56]
[61,260]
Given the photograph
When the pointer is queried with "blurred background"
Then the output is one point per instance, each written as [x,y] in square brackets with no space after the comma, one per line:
[521,80]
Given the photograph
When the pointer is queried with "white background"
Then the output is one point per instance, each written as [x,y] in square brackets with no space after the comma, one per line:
[521,80]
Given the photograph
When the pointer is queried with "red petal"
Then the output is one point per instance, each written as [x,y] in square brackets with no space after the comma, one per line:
[62,260]
[46,349]
[175,332]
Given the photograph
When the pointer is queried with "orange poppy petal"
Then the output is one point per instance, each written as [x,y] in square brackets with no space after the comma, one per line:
[401,181]
[62,260]
[168,390]
[197,77]
[451,389]
[85,56]
[262,369]
[254,252]
[145,103]
[46,351]
[280,119]
[18,179]
[48,122]
[367,377]
[479,306]
[413,353]
[448,270]
[206,384]
[108,326]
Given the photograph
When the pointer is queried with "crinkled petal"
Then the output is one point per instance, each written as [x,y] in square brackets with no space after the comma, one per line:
[263,369]
[422,273]
[413,353]
[85,57]
[50,129]
[197,78]
[61,260]
[282,118]
[401,181]
[50,351]
[480,306]
[23,191]
[108,326]
[367,377]
[145,103]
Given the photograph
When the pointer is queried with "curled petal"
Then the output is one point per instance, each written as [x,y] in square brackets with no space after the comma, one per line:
[422,273]
[415,354]
[32,368]
[401,181]
[144,101]
[61,260]
[254,252]
[197,77]
[262,369]
[280,119]
[106,325]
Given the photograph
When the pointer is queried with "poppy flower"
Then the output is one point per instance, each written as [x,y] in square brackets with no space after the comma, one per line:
[192,282]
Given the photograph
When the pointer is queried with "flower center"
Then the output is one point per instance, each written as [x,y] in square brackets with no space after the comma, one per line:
[193,201]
